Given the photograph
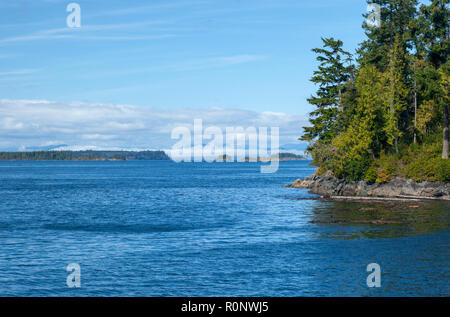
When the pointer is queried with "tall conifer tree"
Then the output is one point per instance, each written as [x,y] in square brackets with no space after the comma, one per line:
[437,17]
[333,72]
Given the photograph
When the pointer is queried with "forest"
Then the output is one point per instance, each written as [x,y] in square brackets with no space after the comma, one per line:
[382,112]
[83,156]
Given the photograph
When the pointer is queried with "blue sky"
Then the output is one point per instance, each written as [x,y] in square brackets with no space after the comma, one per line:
[249,54]
[168,55]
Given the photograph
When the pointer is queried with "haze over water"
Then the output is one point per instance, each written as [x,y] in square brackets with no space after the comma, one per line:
[157,228]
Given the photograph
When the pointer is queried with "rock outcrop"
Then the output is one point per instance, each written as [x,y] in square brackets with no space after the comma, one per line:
[328,186]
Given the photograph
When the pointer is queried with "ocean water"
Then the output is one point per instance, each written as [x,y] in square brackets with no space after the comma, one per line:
[157,228]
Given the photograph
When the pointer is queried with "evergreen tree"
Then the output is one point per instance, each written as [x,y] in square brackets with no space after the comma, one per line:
[396,17]
[416,35]
[364,137]
[396,92]
[397,96]
[436,16]
[333,73]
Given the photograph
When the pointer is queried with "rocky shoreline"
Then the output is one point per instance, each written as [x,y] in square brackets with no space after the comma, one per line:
[398,188]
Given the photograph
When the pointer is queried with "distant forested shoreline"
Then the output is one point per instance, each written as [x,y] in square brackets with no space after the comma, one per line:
[83,156]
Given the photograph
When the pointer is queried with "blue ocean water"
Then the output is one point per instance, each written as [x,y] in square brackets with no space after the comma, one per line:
[157,228]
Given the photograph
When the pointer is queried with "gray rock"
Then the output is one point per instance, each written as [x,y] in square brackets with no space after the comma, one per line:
[327,185]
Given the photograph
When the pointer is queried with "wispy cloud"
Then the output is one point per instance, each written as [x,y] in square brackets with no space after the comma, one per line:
[106,27]
[32,123]
[19,72]
[96,32]
[34,37]
[182,66]
[149,8]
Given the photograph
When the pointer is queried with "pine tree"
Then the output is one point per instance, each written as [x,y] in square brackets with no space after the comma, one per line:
[396,17]
[396,92]
[436,15]
[363,139]
[417,42]
[334,71]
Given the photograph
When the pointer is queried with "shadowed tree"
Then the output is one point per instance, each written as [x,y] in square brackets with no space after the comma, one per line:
[436,16]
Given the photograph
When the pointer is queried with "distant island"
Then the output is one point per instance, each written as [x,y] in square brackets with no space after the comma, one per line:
[282,157]
[83,156]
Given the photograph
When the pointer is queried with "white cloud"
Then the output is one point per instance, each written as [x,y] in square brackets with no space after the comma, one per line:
[79,125]
[97,137]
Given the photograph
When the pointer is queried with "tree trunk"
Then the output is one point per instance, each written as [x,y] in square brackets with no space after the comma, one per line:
[396,143]
[415,116]
[445,128]
[340,100]
[445,134]
[396,128]
[415,105]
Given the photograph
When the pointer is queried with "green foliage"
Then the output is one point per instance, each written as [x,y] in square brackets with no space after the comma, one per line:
[396,17]
[424,169]
[331,77]
[323,155]
[355,170]
[366,117]
[436,19]
[385,167]
[443,170]
[419,163]
[371,174]
[395,92]
[360,141]
[423,163]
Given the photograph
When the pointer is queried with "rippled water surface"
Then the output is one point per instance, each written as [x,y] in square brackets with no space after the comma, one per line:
[157,228]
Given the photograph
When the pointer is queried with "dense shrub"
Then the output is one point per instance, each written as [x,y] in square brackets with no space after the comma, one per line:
[443,170]
[424,163]
[421,162]
[372,174]
[323,155]
[356,170]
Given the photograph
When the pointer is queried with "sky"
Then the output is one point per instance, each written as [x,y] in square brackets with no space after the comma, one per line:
[136,68]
